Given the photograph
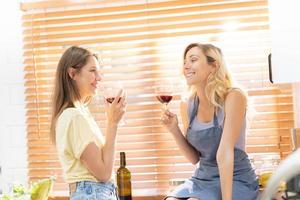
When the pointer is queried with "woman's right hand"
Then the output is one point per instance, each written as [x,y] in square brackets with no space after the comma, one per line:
[169,120]
[116,109]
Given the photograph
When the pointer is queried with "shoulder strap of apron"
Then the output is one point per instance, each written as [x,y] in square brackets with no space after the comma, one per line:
[216,122]
[194,110]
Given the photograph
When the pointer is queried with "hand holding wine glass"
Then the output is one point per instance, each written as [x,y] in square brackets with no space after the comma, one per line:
[115,101]
[170,121]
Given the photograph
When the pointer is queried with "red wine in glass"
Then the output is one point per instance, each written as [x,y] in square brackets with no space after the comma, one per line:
[111,99]
[164,98]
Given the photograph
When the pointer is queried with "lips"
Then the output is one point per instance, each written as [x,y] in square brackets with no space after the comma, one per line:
[94,85]
[190,74]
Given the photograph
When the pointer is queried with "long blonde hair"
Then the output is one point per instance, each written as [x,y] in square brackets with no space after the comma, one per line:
[66,93]
[218,82]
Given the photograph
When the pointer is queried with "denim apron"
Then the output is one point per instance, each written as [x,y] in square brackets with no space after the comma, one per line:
[205,183]
[89,190]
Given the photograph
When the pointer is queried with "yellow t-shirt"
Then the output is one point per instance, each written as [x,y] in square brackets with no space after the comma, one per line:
[75,129]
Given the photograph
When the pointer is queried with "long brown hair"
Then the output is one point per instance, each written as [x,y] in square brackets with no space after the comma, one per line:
[66,93]
[219,82]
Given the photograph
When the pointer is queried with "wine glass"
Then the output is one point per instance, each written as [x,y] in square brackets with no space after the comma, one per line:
[110,90]
[164,91]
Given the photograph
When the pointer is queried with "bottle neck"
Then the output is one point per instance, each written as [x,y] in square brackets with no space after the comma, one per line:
[122,159]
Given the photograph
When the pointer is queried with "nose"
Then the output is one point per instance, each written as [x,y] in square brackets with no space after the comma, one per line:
[186,65]
[98,76]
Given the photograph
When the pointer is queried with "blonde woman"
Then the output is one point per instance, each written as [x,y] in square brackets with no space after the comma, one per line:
[86,158]
[214,120]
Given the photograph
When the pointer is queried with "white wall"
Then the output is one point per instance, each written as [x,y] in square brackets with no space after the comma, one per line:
[13,147]
[285,31]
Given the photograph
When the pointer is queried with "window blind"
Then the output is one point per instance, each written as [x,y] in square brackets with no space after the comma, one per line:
[140,43]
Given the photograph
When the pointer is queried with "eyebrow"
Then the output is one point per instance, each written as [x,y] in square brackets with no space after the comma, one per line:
[194,55]
[93,67]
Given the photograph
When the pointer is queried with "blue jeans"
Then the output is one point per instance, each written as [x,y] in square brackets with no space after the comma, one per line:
[89,190]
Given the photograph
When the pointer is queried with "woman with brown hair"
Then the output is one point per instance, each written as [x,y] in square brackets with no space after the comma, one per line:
[87,159]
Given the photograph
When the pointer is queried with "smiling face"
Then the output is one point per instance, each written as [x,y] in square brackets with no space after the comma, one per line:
[88,77]
[196,68]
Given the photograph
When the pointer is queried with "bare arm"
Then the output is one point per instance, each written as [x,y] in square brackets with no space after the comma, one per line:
[100,161]
[235,107]
[171,123]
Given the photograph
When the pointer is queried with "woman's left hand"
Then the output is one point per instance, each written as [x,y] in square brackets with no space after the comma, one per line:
[169,120]
[117,108]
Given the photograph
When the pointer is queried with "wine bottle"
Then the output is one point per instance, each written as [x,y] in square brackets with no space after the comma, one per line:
[124,179]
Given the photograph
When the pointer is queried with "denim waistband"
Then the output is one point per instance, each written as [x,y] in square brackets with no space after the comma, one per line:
[108,185]
[95,190]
